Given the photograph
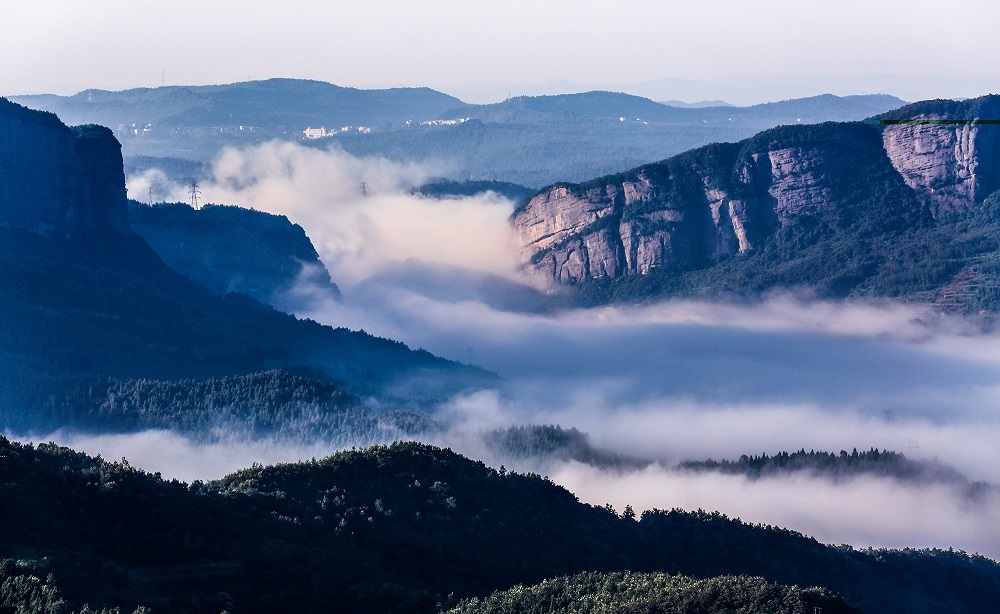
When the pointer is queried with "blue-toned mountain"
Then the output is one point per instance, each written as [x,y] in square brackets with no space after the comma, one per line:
[83,298]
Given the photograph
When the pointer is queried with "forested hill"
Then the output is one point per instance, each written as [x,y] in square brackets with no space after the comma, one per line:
[536,141]
[291,104]
[399,528]
[83,297]
[233,249]
[657,593]
[74,310]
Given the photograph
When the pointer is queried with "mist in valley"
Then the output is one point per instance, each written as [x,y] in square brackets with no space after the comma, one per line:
[664,383]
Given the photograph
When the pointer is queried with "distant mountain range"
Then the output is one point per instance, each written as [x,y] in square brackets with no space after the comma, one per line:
[905,206]
[530,141]
[196,122]
[542,140]
[274,104]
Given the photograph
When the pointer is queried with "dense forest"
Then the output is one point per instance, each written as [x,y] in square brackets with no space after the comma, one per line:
[79,310]
[656,593]
[407,527]
[873,462]
[278,405]
[444,188]
[532,443]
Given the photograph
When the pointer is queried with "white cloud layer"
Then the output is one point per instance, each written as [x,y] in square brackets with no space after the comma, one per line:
[671,381]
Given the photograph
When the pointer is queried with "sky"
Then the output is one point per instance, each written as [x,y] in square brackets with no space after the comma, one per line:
[685,49]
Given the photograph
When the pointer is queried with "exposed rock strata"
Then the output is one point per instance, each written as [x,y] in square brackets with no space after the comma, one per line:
[708,204]
[955,165]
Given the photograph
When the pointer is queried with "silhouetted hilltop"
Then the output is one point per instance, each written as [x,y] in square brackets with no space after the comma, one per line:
[59,180]
[404,528]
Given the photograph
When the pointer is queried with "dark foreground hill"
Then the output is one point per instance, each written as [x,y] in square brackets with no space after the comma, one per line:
[400,528]
[657,593]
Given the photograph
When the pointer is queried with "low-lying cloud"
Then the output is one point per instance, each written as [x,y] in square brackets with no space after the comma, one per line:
[670,381]
[358,212]
[863,512]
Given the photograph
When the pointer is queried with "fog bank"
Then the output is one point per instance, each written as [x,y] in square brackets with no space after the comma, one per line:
[671,381]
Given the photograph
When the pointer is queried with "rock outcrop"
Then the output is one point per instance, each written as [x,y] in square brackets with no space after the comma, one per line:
[59,180]
[952,160]
[708,204]
[232,249]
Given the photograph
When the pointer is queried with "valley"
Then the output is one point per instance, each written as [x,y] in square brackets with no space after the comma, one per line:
[349,382]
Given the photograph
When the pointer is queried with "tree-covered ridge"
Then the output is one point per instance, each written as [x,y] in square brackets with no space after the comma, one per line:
[445,188]
[656,593]
[400,528]
[552,443]
[277,405]
[984,107]
[89,309]
[27,587]
[883,463]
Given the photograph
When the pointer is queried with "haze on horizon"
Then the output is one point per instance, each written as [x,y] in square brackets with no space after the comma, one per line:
[741,52]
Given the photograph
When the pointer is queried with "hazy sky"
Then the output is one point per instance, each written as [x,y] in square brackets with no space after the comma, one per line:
[64,46]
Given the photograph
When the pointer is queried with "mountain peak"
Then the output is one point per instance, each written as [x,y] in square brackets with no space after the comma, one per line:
[67,181]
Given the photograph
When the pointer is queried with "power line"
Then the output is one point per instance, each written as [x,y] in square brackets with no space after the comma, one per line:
[194,192]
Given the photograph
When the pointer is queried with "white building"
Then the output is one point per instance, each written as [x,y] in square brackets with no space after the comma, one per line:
[317,133]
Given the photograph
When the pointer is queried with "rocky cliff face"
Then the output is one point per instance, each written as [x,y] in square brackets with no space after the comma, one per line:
[55,180]
[706,205]
[684,212]
[953,162]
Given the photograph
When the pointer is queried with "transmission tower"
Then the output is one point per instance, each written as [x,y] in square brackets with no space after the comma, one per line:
[194,192]
[364,188]
[149,196]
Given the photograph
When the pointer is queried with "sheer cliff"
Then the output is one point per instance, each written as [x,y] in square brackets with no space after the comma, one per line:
[914,168]
[59,180]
